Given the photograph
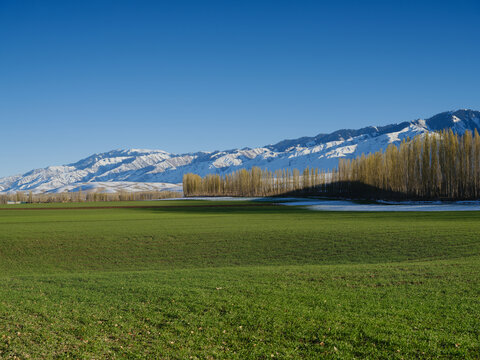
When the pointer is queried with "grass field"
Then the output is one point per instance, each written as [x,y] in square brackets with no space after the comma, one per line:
[185,279]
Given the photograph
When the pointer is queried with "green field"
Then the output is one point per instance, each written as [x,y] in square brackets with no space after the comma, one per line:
[185,279]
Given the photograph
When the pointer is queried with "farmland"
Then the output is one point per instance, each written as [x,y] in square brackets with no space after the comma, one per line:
[181,279]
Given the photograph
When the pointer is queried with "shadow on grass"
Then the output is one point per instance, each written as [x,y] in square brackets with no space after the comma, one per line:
[259,207]
[353,190]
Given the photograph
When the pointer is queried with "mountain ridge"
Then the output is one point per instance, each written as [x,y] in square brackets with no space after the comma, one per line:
[160,169]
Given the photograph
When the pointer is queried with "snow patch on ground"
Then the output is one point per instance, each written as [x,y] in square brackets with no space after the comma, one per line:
[346,205]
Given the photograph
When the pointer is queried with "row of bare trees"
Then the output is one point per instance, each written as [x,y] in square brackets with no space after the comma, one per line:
[254,182]
[432,166]
[80,196]
[442,165]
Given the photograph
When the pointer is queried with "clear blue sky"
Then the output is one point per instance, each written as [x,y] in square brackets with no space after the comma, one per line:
[79,77]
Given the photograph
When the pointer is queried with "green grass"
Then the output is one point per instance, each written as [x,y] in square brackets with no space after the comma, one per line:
[180,281]
[143,204]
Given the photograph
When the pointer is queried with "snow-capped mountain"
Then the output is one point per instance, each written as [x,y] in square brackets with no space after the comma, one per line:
[157,169]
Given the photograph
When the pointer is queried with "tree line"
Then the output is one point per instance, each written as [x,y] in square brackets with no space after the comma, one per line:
[254,182]
[441,165]
[81,196]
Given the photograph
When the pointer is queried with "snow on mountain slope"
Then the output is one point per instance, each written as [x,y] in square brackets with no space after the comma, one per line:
[118,186]
[122,169]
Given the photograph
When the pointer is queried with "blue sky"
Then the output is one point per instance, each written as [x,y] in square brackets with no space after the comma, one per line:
[79,77]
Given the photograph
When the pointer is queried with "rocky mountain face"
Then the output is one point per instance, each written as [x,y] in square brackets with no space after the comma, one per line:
[133,169]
